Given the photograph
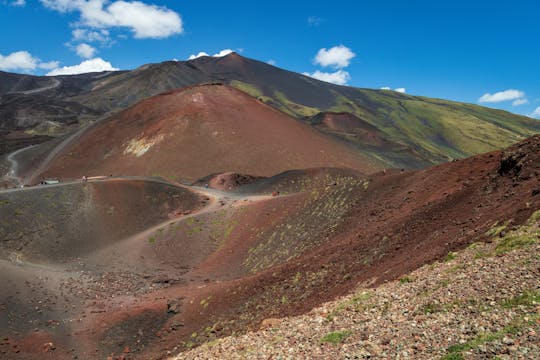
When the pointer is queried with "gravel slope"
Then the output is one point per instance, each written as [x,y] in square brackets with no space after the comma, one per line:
[483,302]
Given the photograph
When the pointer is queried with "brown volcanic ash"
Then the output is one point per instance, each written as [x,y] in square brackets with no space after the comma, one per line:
[197,131]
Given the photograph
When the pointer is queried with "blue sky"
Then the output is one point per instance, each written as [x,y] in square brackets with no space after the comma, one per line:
[485,52]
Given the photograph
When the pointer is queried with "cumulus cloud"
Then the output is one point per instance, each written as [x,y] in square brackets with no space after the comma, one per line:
[101,35]
[24,61]
[536,113]
[19,60]
[518,102]
[506,95]
[337,57]
[399,90]
[85,51]
[87,66]
[340,77]
[49,65]
[272,62]
[200,54]
[222,53]
[144,20]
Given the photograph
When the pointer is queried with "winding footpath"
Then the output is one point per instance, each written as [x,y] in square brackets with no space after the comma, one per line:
[12,173]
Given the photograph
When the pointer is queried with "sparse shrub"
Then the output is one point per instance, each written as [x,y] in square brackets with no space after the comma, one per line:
[405,280]
[336,337]
[527,298]
[496,229]
[450,256]
[432,308]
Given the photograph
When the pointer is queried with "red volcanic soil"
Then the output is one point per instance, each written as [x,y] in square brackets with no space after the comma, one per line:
[226,181]
[356,229]
[202,130]
[241,258]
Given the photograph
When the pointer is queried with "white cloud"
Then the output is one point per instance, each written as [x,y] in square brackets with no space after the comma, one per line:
[536,113]
[272,62]
[49,65]
[399,90]
[337,57]
[18,3]
[340,77]
[87,66]
[200,54]
[518,102]
[144,20]
[506,95]
[19,60]
[222,53]
[101,35]
[85,51]
[314,21]
[23,60]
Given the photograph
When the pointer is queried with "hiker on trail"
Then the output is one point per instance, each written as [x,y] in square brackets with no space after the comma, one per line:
[84,178]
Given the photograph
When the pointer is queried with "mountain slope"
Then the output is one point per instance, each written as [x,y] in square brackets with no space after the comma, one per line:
[426,131]
[33,106]
[198,131]
[416,131]
[445,310]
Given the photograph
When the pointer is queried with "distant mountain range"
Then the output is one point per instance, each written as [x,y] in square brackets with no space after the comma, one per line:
[394,129]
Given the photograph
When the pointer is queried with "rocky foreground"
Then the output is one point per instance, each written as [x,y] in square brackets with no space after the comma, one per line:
[483,302]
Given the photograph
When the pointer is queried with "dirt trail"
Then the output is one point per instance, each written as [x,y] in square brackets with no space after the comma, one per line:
[55,83]
[12,174]
[58,149]
[215,200]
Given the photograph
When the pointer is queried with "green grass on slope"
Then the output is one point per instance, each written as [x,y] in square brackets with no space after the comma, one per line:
[293,108]
[247,88]
[278,100]
[442,129]
[433,130]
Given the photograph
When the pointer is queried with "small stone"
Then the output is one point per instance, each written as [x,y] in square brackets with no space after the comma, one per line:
[174,306]
[507,341]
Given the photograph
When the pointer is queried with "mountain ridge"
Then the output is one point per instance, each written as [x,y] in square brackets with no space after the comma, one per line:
[424,131]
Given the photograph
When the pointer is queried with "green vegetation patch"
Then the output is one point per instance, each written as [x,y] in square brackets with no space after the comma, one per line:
[527,298]
[450,256]
[496,229]
[406,279]
[248,88]
[336,337]
[524,235]
[293,108]
[455,351]
[356,303]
